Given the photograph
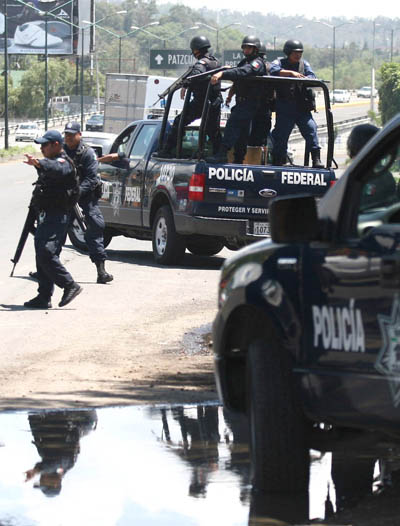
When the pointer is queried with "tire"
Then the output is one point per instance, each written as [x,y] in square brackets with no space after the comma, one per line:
[168,246]
[278,429]
[77,237]
[207,247]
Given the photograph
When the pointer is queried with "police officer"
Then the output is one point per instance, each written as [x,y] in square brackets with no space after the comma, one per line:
[261,124]
[56,192]
[205,62]
[382,189]
[293,105]
[86,164]
[247,99]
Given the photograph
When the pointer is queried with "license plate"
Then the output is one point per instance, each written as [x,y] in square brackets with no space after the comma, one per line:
[261,229]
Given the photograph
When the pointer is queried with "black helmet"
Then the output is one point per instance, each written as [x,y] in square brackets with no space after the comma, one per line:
[359,136]
[262,49]
[251,40]
[292,45]
[199,42]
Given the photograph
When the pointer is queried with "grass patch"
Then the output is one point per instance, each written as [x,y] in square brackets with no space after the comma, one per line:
[16,151]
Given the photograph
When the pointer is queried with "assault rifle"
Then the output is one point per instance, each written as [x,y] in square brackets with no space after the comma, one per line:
[29,228]
[180,82]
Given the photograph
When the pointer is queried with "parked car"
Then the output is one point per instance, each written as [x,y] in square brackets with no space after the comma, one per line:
[99,141]
[95,123]
[306,340]
[340,95]
[27,131]
[365,92]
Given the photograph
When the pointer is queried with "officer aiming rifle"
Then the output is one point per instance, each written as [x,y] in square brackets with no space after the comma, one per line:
[205,63]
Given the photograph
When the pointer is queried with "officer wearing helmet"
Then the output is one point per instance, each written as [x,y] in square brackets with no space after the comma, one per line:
[205,62]
[247,98]
[293,105]
[381,189]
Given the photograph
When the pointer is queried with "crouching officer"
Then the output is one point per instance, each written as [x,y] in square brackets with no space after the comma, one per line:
[205,62]
[247,99]
[56,193]
[294,104]
[86,164]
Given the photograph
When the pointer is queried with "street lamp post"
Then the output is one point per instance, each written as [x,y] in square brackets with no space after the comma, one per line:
[5,77]
[286,32]
[392,31]
[333,47]
[218,30]
[372,99]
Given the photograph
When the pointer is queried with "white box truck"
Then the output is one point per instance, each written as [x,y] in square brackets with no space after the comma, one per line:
[131,97]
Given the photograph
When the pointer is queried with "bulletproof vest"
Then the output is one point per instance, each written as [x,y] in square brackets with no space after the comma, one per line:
[246,89]
[206,63]
[50,193]
[77,157]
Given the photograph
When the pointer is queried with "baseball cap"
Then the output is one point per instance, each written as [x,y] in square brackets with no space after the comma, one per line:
[72,127]
[50,136]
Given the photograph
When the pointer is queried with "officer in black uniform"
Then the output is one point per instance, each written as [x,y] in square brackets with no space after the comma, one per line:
[56,192]
[86,164]
[247,99]
[205,62]
[294,104]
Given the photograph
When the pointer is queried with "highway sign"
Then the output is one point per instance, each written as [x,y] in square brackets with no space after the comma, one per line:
[171,58]
[232,57]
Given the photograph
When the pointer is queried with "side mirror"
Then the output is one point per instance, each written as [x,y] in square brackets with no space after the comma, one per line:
[293,219]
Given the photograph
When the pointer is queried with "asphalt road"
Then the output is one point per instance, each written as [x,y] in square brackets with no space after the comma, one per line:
[114,343]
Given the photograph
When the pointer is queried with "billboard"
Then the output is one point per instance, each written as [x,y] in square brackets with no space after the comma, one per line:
[27,22]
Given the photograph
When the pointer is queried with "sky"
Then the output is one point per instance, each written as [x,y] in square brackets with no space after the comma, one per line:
[310,9]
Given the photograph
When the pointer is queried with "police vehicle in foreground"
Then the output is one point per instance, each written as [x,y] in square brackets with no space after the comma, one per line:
[308,328]
[189,203]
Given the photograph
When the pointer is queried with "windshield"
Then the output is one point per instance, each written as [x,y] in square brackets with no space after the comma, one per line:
[98,118]
[27,126]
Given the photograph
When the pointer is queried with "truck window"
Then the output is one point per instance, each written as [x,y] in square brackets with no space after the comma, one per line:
[380,192]
[124,141]
[190,143]
[143,140]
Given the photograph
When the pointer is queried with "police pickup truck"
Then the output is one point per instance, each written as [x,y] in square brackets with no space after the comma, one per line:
[188,203]
[307,337]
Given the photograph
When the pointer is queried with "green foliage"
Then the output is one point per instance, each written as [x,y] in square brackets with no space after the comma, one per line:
[16,151]
[389,91]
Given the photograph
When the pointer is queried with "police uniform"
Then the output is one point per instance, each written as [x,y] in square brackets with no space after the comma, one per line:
[86,164]
[247,103]
[292,107]
[194,110]
[261,124]
[55,194]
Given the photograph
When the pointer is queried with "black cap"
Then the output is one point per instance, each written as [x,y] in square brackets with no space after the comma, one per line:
[72,127]
[50,136]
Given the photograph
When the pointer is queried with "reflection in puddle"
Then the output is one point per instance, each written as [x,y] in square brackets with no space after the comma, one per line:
[141,465]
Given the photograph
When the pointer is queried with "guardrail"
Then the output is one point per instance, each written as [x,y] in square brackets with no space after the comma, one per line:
[52,122]
[338,127]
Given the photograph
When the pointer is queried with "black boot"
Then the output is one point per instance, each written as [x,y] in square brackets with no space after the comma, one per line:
[102,275]
[316,159]
[39,302]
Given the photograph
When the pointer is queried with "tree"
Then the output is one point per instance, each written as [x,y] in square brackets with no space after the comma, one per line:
[389,91]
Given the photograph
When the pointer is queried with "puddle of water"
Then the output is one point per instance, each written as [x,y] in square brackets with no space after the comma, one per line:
[139,465]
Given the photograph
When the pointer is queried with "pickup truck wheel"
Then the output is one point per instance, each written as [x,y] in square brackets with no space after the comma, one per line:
[207,248]
[278,430]
[168,246]
[77,238]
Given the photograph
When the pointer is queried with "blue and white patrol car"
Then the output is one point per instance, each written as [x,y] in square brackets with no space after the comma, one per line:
[307,337]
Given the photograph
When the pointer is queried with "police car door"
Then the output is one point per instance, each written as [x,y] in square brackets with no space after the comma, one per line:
[141,147]
[114,175]
[354,296]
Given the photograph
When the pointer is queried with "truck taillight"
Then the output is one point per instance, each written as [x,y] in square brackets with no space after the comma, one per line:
[196,187]
[332,183]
